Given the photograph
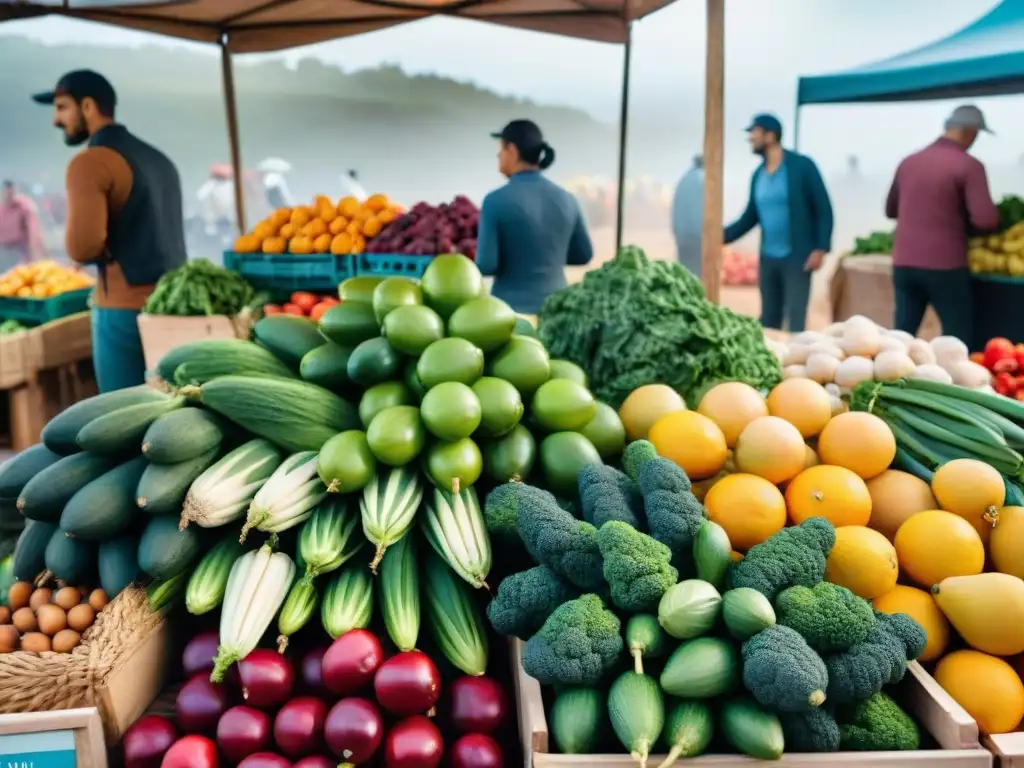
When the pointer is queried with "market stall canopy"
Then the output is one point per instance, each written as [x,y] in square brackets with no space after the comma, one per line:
[985,58]
[256,26]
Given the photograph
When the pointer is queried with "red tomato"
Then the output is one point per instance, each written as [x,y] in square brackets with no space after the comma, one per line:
[318,311]
[305,300]
[271,309]
[293,309]
[1020,394]
[1004,384]
[997,349]
[333,301]
[1018,352]
[1005,365]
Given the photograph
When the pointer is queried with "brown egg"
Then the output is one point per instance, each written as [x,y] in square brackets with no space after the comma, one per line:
[24,619]
[81,617]
[66,640]
[98,600]
[8,638]
[41,596]
[5,614]
[19,595]
[68,598]
[51,619]
[35,642]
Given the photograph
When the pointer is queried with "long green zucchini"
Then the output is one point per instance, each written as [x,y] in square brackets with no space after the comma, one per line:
[182,435]
[22,467]
[106,506]
[330,537]
[120,432]
[60,434]
[400,593]
[209,581]
[44,496]
[348,601]
[163,487]
[210,358]
[299,607]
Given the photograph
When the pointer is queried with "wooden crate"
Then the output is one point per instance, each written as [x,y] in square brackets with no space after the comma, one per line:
[65,342]
[45,735]
[1008,749]
[947,722]
[19,355]
[25,409]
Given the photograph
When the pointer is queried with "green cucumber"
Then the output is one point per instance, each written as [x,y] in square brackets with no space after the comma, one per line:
[454,618]
[118,563]
[689,727]
[636,708]
[106,506]
[44,496]
[30,552]
[326,366]
[22,467]
[348,601]
[209,358]
[752,730]
[163,593]
[702,668]
[71,561]
[209,581]
[120,432]
[180,435]
[288,337]
[162,488]
[60,434]
[645,639]
[165,550]
[712,554]
[6,579]
[330,537]
[299,607]
[578,717]
[746,612]
[400,593]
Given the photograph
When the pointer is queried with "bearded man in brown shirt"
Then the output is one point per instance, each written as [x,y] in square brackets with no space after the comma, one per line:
[124,215]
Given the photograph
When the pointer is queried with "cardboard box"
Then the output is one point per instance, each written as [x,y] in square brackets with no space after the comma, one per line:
[72,737]
[162,333]
[947,722]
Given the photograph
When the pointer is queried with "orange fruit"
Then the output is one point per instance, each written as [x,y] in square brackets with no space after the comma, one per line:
[920,606]
[835,493]
[859,441]
[934,545]
[896,497]
[732,406]
[692,441]
[803,403]
[771,448]
[645,405]
[863,561]
[748,507]
[986,686]
[972,489]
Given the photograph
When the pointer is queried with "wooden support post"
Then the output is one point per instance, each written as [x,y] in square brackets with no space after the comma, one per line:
[231,110]
[714,130]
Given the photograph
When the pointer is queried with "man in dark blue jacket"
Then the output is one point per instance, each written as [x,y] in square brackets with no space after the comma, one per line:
[788,200]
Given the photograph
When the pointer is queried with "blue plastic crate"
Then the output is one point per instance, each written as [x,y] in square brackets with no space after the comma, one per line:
[39,311]
[385,264]
[287,272]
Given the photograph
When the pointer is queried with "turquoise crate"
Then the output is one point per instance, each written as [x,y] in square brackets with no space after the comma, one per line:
[39,311]
[387,264]
[287,272]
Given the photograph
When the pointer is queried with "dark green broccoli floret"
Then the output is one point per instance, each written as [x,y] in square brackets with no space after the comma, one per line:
[524,601]
[674,516]
[577,645]
[829,617]
[500,511]
[877,725]
[558,540]
[792,557]
[607,494]
[814,731]
[636,567]
[878,660]
[782,671]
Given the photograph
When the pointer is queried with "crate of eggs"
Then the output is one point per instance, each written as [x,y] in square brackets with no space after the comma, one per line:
[41,619]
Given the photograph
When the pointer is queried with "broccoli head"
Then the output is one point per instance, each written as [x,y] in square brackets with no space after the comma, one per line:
[877,725]
[813,731]
[636,567]
[577,645]
[792,557]
[829,617]
[524,601]
[879,659]
[555,538]
[607,494]
[500,511]
[782,671]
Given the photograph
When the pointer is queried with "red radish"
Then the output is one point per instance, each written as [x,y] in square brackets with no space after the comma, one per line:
[299,726]
[316,761]
[192,752]
[478,705]
[350,662]
[267,678]
[243,731]
[475,750]
[265,760]
[311,670]
[200,704]
[407,684]
[414,743]
[199,652]
[147,742]
[354,730]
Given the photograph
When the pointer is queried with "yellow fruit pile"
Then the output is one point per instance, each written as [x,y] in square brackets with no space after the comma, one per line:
[42,279]
[322,227]
[1001,254]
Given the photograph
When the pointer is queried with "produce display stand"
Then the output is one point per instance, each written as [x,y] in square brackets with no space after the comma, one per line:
[862,285]
[284,273]
[72,738]
[946,721]
[389,264]
[1008,749]
[119,667]
[162,333]
[40,311]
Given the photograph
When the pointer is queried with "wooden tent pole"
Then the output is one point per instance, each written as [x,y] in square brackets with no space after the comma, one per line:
[231,109]
[714,130]
[620,206]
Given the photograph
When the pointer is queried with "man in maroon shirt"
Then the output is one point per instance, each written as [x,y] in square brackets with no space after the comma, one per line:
[939,198]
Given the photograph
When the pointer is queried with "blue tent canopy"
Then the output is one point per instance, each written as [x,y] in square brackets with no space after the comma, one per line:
[985,58]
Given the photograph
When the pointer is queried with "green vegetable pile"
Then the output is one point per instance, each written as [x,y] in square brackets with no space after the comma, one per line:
[10,326]
[1011,211]
[636,614]
[200,287]
[873,244]
[634,322]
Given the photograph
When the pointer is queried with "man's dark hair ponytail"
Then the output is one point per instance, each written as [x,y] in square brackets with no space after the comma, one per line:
[547,156]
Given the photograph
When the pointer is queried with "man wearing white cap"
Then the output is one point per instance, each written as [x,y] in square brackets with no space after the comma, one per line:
[939,198]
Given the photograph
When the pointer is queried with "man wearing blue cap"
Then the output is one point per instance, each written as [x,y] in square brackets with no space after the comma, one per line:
[788,200]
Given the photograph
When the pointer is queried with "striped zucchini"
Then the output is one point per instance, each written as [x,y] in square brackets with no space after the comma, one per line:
[163,487]
[288,497]
[330,537]
[348,602]
[210,358]
[164,593]
[388,508]
[454,619]
[400,593]
[298,609]
[257,587]
[454,526]
[224,491]
[180,435]
[209,581]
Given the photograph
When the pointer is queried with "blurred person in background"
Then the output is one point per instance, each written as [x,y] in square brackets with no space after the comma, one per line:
[21,236]
[789,202]
[217,200]
[530,229]
[688,216]
[350,186]
[940,197]
[275,188]
[124,215]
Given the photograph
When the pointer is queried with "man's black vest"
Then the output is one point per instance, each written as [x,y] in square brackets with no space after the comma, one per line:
[147,237]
